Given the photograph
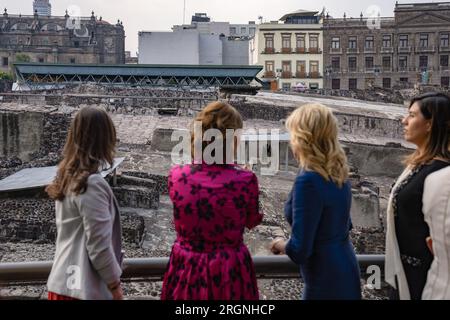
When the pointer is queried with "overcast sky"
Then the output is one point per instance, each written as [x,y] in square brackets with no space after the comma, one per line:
[161,15]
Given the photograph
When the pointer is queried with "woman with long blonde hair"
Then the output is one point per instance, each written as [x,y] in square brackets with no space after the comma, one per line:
[318,208]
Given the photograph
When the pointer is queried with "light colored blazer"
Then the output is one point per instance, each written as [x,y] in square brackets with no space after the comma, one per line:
[393,265]
[436,209]
[88,253]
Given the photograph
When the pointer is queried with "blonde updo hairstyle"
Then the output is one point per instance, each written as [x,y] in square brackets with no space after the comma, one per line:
[314,142]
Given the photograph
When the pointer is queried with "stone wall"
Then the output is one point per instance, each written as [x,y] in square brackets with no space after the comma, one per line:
[28,135]
[21,134]
[25,219]
[5,85]
[348,123]
[371,160]
[31,139]
[160,180]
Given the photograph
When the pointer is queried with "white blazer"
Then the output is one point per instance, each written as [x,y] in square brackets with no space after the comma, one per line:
[393,268]
[436,208]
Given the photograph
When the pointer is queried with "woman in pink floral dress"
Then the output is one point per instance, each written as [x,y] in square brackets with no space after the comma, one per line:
[212,206]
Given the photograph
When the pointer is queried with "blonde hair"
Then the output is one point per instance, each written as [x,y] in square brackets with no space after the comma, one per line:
[315,144]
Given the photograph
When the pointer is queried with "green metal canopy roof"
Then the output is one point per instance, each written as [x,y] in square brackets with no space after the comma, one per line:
[157,75]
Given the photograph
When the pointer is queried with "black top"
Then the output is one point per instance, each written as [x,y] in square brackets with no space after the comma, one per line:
[410,226]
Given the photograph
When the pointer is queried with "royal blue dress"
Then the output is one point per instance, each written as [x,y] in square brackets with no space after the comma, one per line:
[319,213]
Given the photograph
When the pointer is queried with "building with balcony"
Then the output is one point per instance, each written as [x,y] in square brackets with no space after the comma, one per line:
[411,47]
[290,50]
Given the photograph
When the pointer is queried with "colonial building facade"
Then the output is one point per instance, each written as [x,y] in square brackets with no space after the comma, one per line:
[410,48]
[291,51]
[60,40]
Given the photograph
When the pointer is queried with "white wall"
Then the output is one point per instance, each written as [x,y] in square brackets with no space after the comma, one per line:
[169,47]
[210,49]
[193,46]
[235,52]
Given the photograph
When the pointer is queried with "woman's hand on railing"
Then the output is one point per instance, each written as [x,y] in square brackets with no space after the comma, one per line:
[278,246]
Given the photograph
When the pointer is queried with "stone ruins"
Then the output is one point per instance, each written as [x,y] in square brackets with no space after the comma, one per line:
[34,127]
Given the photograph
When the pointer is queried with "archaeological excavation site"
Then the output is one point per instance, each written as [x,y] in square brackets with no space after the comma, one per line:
[34,127]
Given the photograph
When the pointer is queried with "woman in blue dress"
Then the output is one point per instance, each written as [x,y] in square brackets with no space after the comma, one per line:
[318,209]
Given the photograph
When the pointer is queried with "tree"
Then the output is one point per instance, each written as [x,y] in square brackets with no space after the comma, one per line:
[5,76]
[22,58]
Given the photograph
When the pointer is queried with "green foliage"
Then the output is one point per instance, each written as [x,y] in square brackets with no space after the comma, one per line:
[5,76]
[22,58]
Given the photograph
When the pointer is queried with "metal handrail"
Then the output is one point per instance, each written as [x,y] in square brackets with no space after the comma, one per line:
[269,267]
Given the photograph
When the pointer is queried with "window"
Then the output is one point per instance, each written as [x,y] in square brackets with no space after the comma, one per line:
[445,81]
[232,30]
[386,62]
[313,41]
[5,61]
[352,63]
[286,67]
[269,41]
[352,42]
[243,30]
[252,31]
[423,41]
[369,42]
[369,62]
[301,20]
[404,80]
[387,83]
[301,66]
[286,41]
[72,60]
[335,43]
[403,63]
[301,41]
[76,44]
[443,61]
[336,63]
[314,67]
[423,61]
[41,60]
[336,84]
[403,40]
[444,40]
[270,68]
[352,84]
[387,41]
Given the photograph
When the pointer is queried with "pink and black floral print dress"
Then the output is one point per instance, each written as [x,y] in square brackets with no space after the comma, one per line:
[212,206]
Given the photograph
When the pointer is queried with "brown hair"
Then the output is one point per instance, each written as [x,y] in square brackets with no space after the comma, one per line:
[434,106]
[314,142]
[90,143]
[216,115]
